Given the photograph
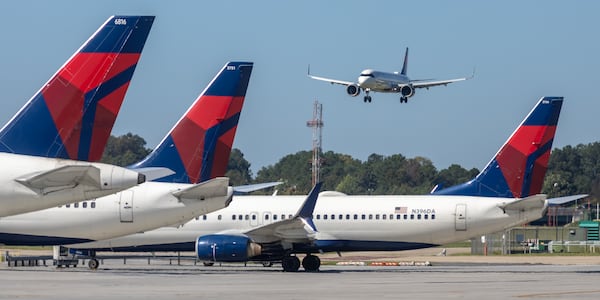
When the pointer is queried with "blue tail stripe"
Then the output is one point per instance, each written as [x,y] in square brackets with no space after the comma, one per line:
[112,35]
[212,135]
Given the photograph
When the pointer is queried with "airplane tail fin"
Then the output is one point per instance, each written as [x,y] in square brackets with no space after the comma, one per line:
[519,167]
[198,147]
[72,115]
[405,64]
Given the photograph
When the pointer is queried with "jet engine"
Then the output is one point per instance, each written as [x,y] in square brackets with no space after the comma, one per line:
[353,90]
[226,248]
[407,91]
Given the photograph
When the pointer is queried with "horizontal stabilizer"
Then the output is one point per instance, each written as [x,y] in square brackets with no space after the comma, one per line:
[62,177]
[566,199]
[524,204]
[208,189]
[242,189]
[153,173]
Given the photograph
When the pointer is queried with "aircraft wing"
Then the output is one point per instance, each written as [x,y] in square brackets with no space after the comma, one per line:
[208,189]
[430,83]
[62,178]
[332,81]
[297,229]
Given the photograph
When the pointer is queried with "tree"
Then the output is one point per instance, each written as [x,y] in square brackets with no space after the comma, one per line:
[125,150]
[238,169]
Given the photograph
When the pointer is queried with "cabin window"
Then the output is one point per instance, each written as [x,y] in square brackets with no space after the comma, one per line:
[370,217]
[233,217]
[84,204]
[426,217]
[355,217]
[405,217]
[318,217]
[391,216]
[383,217]
[274,217]
[289,216]
[76,204]
[333,217]
[253,217]
[433,217]
[363,217]
[93,205]
[219,217]
[204,217]
[412,217]
[348,217]
[419,217]
[398,217]
[283,217]
[68,205]
[377,217]
[266,217]
[324,217]
[247,217]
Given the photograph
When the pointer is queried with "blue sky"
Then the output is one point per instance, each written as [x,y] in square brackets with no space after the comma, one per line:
[522,50]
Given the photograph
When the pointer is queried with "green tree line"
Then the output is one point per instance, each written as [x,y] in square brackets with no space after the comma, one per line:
[571,170]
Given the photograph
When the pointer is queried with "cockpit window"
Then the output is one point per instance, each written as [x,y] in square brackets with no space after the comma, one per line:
[366,74]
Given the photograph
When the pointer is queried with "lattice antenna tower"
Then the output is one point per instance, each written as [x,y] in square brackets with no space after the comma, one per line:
[316,124]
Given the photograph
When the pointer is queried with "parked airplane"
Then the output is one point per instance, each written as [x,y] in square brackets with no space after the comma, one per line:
[154,204]
[71,117]
[275,228]
[72,114]
[386,82]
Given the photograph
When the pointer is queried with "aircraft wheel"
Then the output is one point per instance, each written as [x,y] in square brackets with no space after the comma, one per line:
[290,264]
[366,99]
[93,264]
[267,264]
[208,264]
[369,99]
[311,263]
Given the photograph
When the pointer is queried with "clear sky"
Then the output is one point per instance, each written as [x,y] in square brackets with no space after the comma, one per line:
[522,50]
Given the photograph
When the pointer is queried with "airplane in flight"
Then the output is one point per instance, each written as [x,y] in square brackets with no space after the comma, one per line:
[69,119]
[197,148]
[385,82]
[270,229]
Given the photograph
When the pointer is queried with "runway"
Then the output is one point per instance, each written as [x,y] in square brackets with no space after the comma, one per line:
[138,280]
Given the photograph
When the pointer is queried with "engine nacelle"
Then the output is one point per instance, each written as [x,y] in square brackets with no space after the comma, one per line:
[407,91]
[226,248]
[353,90]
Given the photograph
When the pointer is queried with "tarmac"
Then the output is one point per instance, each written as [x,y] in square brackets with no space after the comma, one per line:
[448,277]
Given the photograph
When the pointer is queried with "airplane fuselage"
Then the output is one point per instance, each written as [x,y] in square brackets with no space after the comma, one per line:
[383,82]
[145,207]
[343,223]
[17,197]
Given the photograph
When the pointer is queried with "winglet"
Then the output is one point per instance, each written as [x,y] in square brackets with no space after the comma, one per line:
[405,64]
[306,210]
[72,115]
[519,167]
[199,145]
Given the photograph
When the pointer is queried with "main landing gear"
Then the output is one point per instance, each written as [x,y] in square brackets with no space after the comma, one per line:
[403,100]
[310,263]
[93,263]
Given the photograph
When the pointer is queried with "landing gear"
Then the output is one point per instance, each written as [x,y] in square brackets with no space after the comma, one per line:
[208,263]
[403,99]
[367,99]
[290,264]
[311,263]
[267,264]
[93,263]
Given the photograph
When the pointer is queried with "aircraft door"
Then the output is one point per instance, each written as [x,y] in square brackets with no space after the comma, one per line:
[126,206]
[461,217]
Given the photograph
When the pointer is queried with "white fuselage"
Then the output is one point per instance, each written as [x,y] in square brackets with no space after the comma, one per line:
[17,198]
[347,223]
[383,82]
[145,207]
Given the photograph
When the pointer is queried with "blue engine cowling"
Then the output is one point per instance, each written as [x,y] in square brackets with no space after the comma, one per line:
[226,248]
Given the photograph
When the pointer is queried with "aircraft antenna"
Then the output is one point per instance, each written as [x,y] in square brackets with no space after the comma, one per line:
[316,123]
